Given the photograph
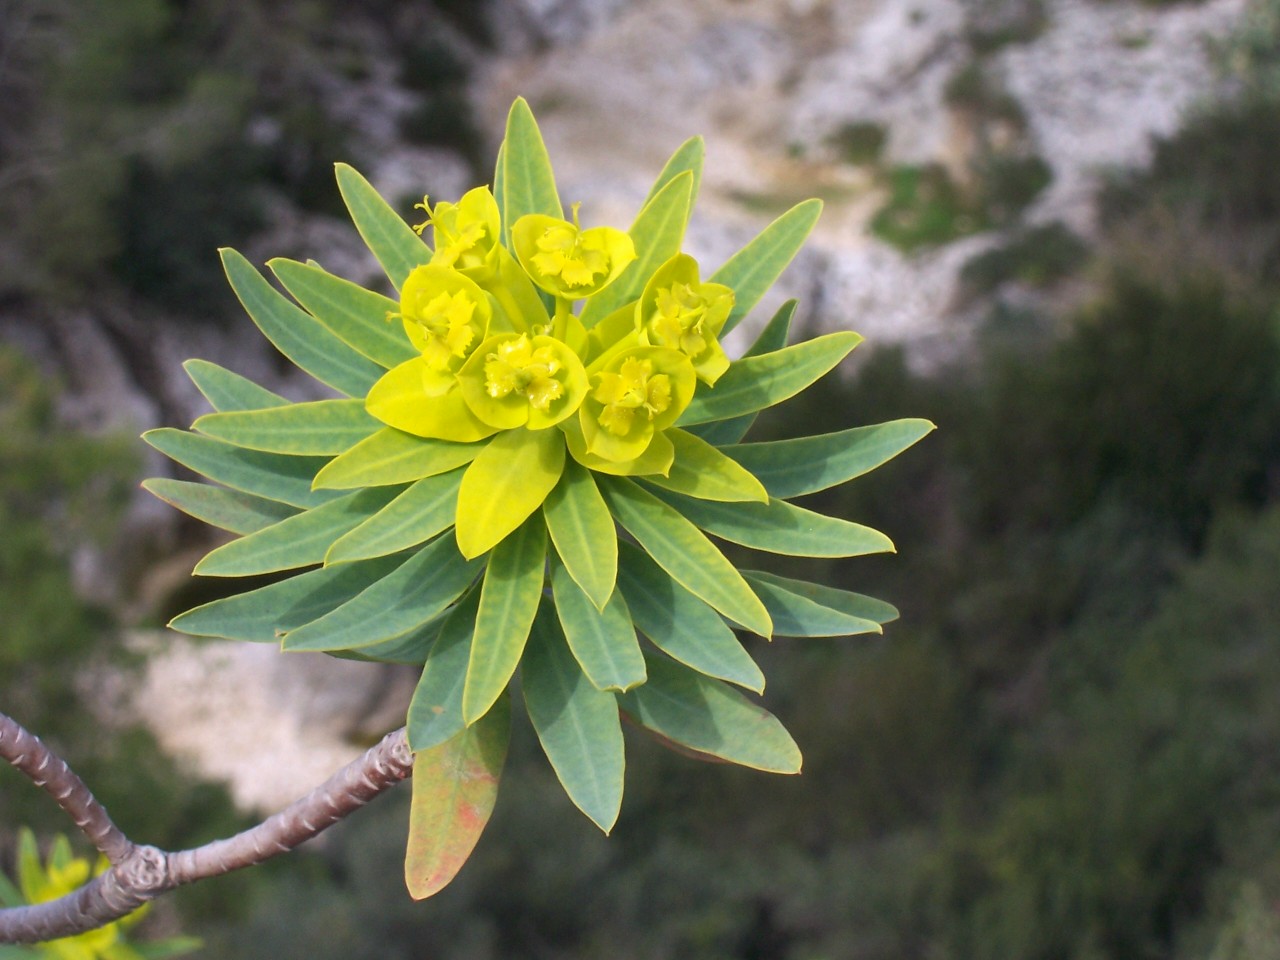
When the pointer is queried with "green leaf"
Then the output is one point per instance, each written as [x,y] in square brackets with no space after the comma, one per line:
[781,527]
[527,178]
[266,614]
[410,648]
[754,383]
[415,516]
[227,391]
[710,717]
[393,456]
[226,509]
[583,532]
[773,337]
[318,428]
[681,625]
[657,233]
[297,541]
[297,334]
[577,724]
[700,470]
[455,786]
[795,615]
[688,157]
[688,556]
[753,269]
[508,480]
[435,712]
[403,601]
[603,641]
[508,601]
[271,475]
[850,604]
[792,468]
[357,316]
[500,188]
[391,240]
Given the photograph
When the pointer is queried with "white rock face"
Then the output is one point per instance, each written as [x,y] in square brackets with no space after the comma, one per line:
[765,80]
[269,725]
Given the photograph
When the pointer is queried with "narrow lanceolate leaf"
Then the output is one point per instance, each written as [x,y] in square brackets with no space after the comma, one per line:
[455,786]
[271,475]
[508,601]
[416,592]
[297,334]
[603,641]
[392,456]
[700,470]
[773,337]
[795,615]
[681,625]
[527,179]
[688,556]
[358,317]
[781,527]
[710,717]
[657,234]
[435,712]
[577,724]
[508,480]
[752,270]
[792,468]
[500,186]
[415,516]
[227,391]
[266,614]
[582,530]
[754,383]
[688,156]
[409,648]
[225,509]
[392,241]
[850,604]
[296,541]
[318,428]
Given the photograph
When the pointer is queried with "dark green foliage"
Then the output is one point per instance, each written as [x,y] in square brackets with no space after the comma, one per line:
[925,208]
[1036,256]
[859,143]
[1010,184]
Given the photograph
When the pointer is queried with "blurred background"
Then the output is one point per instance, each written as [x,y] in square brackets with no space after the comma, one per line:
[1058,224]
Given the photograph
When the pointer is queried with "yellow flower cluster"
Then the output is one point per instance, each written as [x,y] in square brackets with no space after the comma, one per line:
[501,348]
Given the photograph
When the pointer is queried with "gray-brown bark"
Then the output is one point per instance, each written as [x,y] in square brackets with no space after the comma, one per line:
[141,873]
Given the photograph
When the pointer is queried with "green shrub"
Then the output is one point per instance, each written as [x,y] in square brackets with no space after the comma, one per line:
[860,142]
[1035,256]
[925,208]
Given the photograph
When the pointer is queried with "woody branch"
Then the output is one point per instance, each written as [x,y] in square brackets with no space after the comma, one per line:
[139,873]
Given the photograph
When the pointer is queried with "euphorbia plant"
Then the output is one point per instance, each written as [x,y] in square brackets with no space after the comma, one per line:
[533,440]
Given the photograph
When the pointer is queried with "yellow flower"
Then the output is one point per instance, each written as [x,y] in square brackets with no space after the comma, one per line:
[466,232]
[567,261]
[445,316]
[635,394]
[677,310]
[516,380]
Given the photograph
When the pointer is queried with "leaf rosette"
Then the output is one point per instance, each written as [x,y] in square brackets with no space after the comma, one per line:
[522,470]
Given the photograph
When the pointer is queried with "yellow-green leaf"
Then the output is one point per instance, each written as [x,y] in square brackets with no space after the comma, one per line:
[508,601]
[752,270]
[317,428]
[393,243]
[455,786]
[528,183]
[228,391]
[700,470]
[393,456]
[506,483]
[582,530]
[603,641]
[576,723]
[297,334]
[226,509]
[710,717]
[415,516]
[688,556]
[361,318]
